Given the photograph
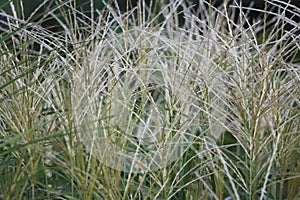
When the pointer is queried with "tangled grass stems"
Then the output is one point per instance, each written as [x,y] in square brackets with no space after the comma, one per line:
[135,105]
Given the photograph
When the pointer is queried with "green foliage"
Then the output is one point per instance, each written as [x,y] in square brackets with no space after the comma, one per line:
[136,104]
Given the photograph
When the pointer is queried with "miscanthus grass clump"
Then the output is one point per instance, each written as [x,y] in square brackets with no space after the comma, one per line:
[145,105]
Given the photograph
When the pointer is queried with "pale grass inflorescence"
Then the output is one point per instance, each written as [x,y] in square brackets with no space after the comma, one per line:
[145,85]
[136,105]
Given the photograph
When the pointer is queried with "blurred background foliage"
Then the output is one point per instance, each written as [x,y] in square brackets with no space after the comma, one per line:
[30,6]
[39,11]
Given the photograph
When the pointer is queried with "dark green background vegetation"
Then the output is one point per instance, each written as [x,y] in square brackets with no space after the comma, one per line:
[83,5]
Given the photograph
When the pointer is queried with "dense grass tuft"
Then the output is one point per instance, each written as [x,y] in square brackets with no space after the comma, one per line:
[163,101]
